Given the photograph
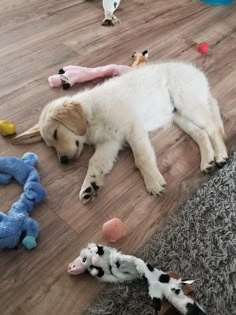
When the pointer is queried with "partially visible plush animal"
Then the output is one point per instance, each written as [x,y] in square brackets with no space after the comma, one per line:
[109,7]
[122,111]
[109,265]
[70,75]
[17,221]
[140,58]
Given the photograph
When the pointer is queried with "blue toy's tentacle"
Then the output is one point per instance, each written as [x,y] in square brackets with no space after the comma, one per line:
[2,215]
[32,230]
[16,221]
[5,178]
[30,158]
[31,227]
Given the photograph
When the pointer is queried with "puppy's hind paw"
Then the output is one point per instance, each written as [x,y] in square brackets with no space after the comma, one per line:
[222,162]
[209,167]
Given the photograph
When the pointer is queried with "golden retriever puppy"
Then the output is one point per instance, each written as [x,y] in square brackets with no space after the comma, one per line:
[123,110]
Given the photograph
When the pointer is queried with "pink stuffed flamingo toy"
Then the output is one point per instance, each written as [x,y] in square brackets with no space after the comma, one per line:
[70,75]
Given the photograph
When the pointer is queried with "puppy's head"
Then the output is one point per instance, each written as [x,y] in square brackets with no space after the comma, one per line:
[62,125]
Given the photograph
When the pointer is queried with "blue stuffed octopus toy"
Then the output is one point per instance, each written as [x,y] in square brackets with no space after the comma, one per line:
[17,222]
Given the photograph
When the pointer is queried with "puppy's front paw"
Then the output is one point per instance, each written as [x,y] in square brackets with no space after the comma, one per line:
[88,192]
[155,188]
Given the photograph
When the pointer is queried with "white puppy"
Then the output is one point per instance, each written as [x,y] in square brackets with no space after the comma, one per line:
[123,110]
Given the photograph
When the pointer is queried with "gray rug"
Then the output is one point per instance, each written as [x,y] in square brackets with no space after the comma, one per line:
[198,241]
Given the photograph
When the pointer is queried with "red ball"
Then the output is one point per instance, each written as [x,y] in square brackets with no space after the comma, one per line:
[203,47]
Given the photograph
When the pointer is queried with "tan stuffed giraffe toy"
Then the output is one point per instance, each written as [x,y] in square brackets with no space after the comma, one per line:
[139,58]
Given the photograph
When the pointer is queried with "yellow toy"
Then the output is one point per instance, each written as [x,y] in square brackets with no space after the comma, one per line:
[7,128]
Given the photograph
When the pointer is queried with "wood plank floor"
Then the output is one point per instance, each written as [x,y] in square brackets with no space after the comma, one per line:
[39,37]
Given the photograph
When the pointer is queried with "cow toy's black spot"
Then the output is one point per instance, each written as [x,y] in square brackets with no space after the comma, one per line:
[100,271]
[150,268]
[118,264]
[177,291]
[157,304]
[145,279]
[110,269]
[164,278]
[193,309]
[100,251]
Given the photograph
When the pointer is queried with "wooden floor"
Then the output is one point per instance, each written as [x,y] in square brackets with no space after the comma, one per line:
[39,37]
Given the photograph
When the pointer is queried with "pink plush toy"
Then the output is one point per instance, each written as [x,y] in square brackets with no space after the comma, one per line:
[70,75]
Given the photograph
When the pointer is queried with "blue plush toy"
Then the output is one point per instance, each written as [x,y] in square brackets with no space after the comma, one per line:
[17,221]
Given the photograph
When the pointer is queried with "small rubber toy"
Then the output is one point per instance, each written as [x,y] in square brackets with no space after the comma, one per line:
[7,128]
[114,230]
[203,47]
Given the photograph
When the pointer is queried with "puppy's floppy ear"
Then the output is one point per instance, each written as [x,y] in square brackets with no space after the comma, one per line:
[32,135]
[72,116]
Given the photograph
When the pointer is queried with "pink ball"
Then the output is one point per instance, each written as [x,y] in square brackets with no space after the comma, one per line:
[114,230]
[203,47]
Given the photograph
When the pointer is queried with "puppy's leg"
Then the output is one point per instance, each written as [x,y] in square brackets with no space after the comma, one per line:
[214,107]
[200,137]
[221,155]
[145,160]
[203,119]
[100,164]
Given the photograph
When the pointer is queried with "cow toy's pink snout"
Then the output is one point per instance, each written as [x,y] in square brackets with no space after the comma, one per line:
[76,267]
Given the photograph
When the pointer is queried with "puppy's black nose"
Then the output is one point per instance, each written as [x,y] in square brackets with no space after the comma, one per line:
[64,159]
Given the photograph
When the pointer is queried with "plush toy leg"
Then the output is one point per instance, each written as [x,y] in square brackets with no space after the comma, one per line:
[124,267]
[31,228]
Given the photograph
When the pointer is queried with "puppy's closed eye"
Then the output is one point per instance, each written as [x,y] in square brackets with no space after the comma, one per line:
[55,134]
